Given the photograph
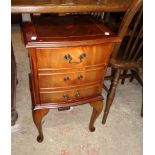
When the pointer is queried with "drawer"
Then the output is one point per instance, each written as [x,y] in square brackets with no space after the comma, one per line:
[66,96]
[70,78]
[73,57]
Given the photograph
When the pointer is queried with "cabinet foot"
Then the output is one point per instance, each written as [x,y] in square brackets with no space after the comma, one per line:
[40,138]
[37,118]
[97,109]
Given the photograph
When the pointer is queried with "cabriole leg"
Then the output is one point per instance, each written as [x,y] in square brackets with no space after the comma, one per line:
[97,109]
[37,118]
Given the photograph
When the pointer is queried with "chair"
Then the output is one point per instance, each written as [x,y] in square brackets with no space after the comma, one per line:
[127,55]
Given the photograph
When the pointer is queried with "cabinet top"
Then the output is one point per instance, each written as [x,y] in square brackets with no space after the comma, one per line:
[64,6]
[69,30]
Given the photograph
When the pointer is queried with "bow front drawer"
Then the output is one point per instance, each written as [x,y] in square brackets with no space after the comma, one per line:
[70,95]
[65,79]
[73,57]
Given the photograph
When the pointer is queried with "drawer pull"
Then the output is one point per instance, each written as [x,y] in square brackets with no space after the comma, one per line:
[80,77]
[66,96]
[77,94]
[69,57]
[82,56]
[66,78]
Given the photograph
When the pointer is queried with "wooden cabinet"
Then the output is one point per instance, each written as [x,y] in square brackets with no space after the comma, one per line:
[68,58]
[72,57]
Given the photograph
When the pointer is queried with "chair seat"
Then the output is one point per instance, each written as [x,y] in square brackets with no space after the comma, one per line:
[120,64]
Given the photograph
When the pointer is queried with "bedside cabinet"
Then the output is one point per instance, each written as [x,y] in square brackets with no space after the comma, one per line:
[68,58]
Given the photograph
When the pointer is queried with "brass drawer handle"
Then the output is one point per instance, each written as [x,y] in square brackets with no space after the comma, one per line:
[82,56]
[69,57]
[77,94]
[80,77]
[66,96]
[66,78]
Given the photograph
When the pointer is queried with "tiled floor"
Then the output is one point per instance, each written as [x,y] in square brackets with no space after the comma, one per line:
[66,132]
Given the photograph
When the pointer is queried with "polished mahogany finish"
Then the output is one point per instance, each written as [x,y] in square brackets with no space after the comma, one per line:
[68,57]
[65,6]
[66,31]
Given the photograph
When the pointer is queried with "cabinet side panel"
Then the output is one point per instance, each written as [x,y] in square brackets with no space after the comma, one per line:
[33,76]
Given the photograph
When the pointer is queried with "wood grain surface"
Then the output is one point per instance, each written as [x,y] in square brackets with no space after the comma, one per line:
[65,6]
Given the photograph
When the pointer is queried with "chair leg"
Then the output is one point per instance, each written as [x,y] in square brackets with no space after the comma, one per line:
[142,110]
[132,77]
[123,79]
[137,77]
[113,72]
[111,94]
[105,88]
[142,104]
